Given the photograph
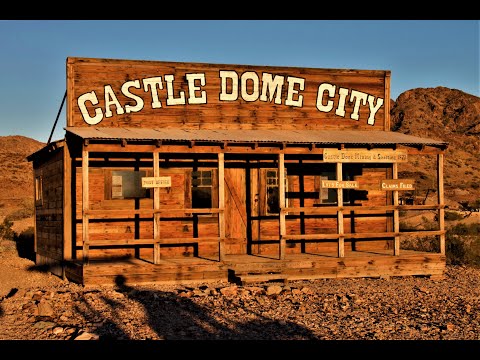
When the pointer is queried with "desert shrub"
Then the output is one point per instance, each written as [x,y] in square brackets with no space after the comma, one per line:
[426,243]
[452,215]
[404,226]
[6,231]
[26,210]
[462,245]
[456,252]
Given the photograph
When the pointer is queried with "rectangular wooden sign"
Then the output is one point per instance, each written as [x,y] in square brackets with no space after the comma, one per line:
[397,184]
[336,184]
[151,94]
[364,156]
[161,181]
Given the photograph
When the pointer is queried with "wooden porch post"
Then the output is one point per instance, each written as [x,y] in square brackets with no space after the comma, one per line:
[341,237]
[281,197]
[396,215]
[85,203]
[67,208]
[156,206]
[221,206]
[441,202]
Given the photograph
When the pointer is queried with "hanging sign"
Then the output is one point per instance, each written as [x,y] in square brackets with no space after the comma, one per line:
[336,184]
[397,184]
[153,182]
[364,156]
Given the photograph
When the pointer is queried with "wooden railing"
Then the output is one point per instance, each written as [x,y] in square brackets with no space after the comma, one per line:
[156,243]
[363,209]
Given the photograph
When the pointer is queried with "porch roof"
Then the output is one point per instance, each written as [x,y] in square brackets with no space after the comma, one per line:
[357,137]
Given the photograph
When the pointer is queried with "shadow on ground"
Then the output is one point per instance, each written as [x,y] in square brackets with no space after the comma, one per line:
[173,317]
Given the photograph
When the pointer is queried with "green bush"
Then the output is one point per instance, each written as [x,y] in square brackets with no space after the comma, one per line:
[26,210]
[6,231]
[452,215]
[462,244]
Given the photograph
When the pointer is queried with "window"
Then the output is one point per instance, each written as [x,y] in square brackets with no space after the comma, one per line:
[38,190]
[272,192]
[327,195]
[202,189]
[127,184]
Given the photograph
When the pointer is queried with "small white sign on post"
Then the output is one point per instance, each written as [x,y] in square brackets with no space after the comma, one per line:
[337,184]
[153,182]
[397,184]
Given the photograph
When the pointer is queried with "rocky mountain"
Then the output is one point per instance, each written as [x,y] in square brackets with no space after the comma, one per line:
[443,114]
[16,174]
[437,113]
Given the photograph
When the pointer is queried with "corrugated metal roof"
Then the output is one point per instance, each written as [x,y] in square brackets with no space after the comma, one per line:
[252,136]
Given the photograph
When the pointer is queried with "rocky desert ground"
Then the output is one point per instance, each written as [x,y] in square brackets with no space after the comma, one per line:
[36,305]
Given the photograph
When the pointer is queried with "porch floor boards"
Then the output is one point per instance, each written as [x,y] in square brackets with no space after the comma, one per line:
[242,269]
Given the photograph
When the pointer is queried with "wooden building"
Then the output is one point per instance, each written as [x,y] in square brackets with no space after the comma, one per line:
[193,172]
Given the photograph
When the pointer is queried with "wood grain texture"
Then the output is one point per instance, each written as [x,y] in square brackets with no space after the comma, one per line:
[93,75]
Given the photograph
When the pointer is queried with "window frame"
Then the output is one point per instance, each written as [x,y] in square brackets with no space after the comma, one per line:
[189,190]
[108,186]
[265,185]
[38,190]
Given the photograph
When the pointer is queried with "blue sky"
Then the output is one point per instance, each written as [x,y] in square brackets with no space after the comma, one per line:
[419,54]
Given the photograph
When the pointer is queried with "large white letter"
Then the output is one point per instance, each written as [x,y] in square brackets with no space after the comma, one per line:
[111,99]
[331,93]
[192,99]
[92,97]
[224,95]
[170,97]
[153,82]
[127,93]
[250,75]
[291,90]
[342,92]
[357,96]
[273,86]
[373,109]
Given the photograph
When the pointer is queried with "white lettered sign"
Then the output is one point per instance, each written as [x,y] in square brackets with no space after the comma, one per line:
[153,182]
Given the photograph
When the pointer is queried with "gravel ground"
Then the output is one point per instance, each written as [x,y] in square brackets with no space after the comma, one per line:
[39,306]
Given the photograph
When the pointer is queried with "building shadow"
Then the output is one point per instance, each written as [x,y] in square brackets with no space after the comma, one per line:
[24,243]
[173,317]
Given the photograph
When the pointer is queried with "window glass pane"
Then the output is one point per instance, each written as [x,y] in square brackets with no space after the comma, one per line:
[272,190]
[327,195]
[201,197]
[202,189]
[271,174]
[272,200]
[127,184]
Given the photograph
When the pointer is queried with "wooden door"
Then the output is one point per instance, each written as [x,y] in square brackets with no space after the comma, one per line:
[235,212]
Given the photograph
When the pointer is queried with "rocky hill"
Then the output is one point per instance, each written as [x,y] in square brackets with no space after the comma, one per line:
[443,114]
[16,174]
[437,113]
